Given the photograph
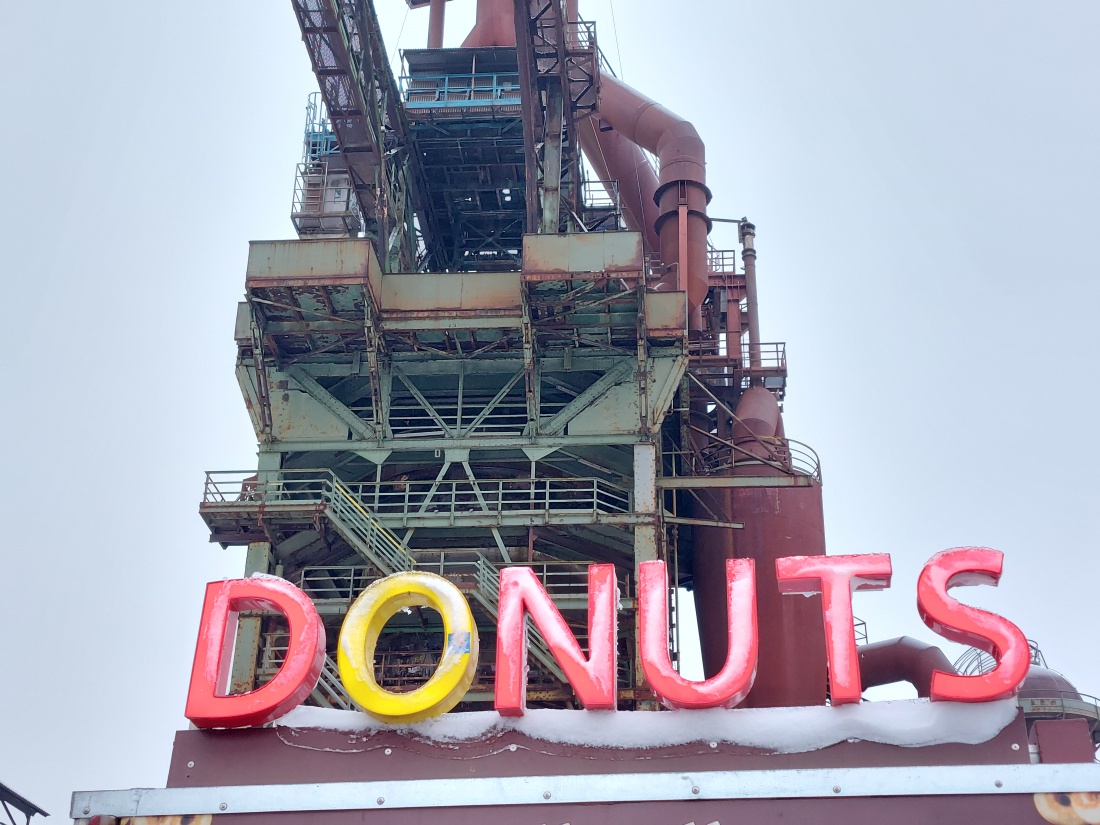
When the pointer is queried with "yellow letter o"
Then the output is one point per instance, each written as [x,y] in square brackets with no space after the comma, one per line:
[359,635]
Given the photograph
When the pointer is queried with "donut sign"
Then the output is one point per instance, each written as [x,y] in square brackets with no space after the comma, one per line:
[592,677]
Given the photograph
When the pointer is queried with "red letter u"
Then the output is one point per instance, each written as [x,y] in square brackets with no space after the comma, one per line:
[730,685]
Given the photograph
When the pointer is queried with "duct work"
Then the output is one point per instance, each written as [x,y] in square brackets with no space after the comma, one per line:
[682,195]
[902,660]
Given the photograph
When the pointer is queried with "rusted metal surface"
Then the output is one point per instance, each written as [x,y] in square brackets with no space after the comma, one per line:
[614,157]
[778,522]
[617,254]
[666,314]
[436,23]
[748,233]
[307,262]
[451,294]
[493,26]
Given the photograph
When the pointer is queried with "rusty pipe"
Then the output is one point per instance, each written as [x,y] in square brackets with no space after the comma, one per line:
[494,25]
[436,13]
[682,194]
[748,254]
[904,659]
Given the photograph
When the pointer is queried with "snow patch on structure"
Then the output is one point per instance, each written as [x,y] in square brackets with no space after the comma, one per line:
[910,723]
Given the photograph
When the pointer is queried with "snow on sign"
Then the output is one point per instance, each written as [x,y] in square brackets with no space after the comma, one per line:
[592,677]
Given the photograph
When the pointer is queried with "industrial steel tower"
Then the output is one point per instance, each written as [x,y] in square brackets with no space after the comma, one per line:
[482,351]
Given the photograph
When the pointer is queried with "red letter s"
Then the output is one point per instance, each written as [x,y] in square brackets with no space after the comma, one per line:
[968,625]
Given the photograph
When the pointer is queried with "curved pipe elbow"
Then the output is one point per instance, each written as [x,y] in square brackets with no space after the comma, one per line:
[674,140]
[904,659]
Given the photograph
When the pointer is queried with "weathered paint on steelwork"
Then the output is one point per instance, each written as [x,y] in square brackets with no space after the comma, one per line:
[666,314]
[611,253]
[326,262]
[449,293]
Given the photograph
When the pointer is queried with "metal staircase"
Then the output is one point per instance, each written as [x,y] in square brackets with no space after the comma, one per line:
[362,530]
[329,692]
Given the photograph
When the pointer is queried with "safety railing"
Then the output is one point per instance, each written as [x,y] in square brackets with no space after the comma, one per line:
[335,584]
[975,661]
[722,260]
[724,352]
[769,355]
[324,201]
[783,454]
[359,525]
[457,497]
[1060,704]
[461,90]
[601,195]
[861,631]
[580,35]
[356,499]
[320,139]
[330,690]
[313,487]
[562,580]
[273,652]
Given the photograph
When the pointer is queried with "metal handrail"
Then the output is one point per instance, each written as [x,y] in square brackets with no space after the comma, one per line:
[771,355]
[785,454]
[580,35]
[722,260]
[1060,703]
[386,548]
[403,497]
[458,90]
[561,579]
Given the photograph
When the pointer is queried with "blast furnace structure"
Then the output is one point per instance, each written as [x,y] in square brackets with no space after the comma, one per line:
[502,337]
[483,352]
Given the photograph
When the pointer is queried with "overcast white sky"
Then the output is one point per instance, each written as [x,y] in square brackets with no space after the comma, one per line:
[925,181]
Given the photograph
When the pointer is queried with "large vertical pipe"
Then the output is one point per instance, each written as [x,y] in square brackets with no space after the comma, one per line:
[436,14]
[494,25]
[748,254]
[778,521]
